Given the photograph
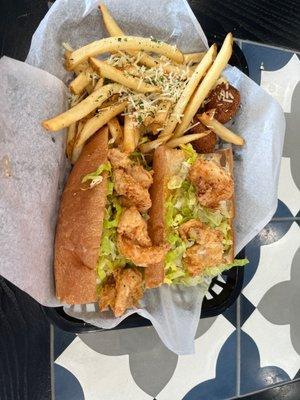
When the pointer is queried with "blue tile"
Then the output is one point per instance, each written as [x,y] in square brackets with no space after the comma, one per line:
[252,252]
[282,210]
[253,377]
[272,59]
[224,385]
[230,314]
[67,386]
[62,339]
[246,309]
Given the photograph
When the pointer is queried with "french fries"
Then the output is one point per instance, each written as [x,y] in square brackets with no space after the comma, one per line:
[70,140]
[114,30]
[224,133]
[160,117]
[188,92]
[206,85]
[77,151]
[81,81]
[114,44]
[193,58]
[114,74]
[99,84]
[163,98]
[93,124]
[82,109]
[115,130]
[186,139]
[110,24]
[150,146]
[131,135]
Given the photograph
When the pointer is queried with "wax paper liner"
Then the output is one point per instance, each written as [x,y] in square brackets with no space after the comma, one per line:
[33,166]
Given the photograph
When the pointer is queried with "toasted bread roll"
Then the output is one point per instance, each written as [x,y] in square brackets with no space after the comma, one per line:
[79,227]
[166,163]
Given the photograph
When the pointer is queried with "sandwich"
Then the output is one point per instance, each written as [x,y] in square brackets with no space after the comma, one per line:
[192,212]
[102,243]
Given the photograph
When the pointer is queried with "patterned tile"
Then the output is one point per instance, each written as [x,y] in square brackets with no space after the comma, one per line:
[265,335]
[287,312]
[271,233]
[261,58]
[274,263]
[100,375]
[151,364]
[62,339]
[257,373]
[212,367]
[223,385]
[67,385]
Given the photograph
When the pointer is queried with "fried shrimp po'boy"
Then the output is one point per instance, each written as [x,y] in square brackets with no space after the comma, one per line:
[102,244]
[192,211]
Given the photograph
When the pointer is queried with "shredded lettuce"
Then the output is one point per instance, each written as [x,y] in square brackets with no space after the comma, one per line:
[190,153]
[181,206]
[109,256]
[95,177]
[215,271]
[140,159]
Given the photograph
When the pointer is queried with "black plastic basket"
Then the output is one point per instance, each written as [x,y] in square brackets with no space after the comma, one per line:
[223,290]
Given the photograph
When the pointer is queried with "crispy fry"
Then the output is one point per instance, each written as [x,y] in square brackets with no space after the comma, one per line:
[70,140]
[99,84]
[80,68]
[115,130]
[114,74]
[131,135]
[188,92]
[111,101]
[81,81]
[163,111]
[114,30]
[95,123]
[110,24]
[77,151]
[186,139]
[193,58]
[160,117]
[224,133]
[82,109]
[206,85]
[149,146]
[113,44]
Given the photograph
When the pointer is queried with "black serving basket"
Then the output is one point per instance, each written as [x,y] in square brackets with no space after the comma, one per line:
[222,293]
[223,290]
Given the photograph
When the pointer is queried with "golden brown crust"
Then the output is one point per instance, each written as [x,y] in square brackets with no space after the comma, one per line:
[79,227]
[154,273]
[164,163]
[227,154]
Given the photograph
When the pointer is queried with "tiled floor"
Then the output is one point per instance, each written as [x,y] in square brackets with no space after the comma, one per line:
[253,345]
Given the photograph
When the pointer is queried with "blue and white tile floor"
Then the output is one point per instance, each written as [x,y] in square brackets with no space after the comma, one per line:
[253,345]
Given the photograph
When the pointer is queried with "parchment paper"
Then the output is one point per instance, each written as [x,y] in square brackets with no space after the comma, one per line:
[33,166]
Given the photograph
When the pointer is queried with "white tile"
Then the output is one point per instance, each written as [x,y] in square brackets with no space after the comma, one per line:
[282,82]
[101,377]
[287,189]
[201,366]
[273,342]
[274,265]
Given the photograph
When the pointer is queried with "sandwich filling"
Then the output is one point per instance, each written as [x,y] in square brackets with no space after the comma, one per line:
[125,244]
[198,219]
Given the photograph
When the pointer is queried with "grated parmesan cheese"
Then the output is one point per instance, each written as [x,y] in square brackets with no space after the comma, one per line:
[143,107]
